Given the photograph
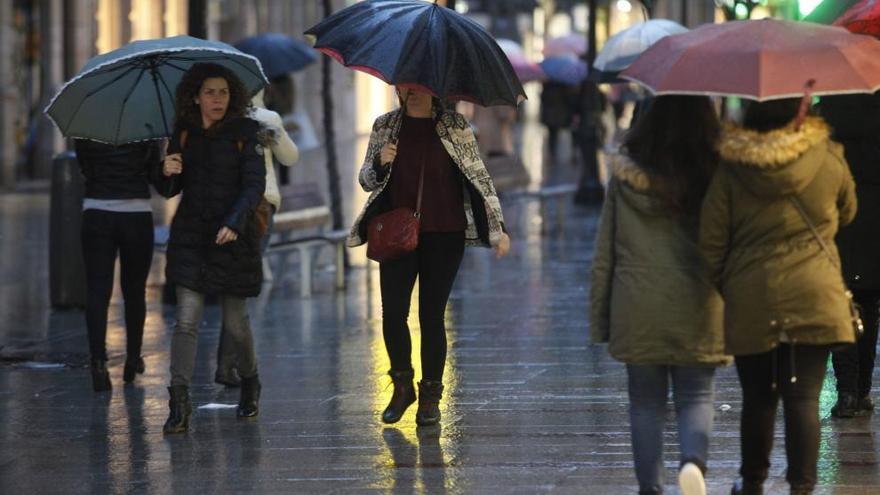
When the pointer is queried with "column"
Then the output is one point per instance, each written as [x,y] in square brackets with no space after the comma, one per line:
[8,98]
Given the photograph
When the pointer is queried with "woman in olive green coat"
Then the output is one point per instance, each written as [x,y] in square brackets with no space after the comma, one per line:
[784,298]
[650,297]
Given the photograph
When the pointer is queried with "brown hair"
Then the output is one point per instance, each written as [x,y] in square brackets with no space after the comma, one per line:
[676,141]
[188,113]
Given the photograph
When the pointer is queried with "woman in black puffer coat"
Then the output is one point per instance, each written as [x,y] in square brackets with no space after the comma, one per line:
[214,248]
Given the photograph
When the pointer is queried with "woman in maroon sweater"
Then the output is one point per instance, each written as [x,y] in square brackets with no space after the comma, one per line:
[435,262]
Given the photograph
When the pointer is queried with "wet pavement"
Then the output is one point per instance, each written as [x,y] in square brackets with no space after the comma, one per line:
[530,406]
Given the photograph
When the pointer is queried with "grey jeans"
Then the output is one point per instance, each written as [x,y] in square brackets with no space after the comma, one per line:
[693,390]
[190,306]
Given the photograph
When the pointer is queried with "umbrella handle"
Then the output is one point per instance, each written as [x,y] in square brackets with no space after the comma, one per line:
[805,104]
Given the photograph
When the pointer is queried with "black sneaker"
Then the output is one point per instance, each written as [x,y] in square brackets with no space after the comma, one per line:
[866,405]
[847,406]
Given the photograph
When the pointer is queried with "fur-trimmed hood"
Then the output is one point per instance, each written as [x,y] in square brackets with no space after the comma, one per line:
[637,184]
[779,162]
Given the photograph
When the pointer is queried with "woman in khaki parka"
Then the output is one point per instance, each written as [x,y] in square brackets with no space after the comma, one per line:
[650,298]
[784,299]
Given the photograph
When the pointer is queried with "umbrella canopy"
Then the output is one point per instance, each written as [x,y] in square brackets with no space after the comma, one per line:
[762,60]
[862,18]
[525,70]
[568,70]
[570,44]
[421,45]
[278,53]
[509,47]
[623,48]
[128,94]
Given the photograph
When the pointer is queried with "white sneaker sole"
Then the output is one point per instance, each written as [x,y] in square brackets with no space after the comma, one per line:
[690,480]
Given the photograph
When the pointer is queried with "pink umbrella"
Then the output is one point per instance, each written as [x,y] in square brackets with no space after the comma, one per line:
[570,44]
[525,70]
[761,60]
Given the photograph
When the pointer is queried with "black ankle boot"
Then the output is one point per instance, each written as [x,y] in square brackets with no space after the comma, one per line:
[180,410]
[404,395]
[743,487]
[847,406]
[100,376]
[430,393]
[248,404]
[132,365]
[866,404]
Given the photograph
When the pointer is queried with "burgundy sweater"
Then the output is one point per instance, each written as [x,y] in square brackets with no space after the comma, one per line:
[442,195]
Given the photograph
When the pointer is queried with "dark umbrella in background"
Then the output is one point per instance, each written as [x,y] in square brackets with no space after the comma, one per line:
[278,53]
[422,45]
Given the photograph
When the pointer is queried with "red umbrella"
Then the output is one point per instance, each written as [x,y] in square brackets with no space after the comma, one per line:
[862,18]
[761,60]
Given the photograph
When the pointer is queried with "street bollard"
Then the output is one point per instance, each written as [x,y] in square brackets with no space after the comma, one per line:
[67,274]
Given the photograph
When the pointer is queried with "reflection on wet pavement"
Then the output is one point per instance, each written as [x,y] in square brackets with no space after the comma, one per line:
[530,406]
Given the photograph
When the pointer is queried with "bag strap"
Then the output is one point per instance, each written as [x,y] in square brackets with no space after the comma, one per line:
[800,208]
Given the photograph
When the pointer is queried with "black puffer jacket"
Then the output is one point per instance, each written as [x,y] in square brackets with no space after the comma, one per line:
[116,172]
[855,120]
[221,187]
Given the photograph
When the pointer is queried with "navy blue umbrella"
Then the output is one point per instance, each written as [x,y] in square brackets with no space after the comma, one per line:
[278,53]
[566,70]
[422,45]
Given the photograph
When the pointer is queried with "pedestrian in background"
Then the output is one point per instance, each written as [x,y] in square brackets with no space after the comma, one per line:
[283,150]
[117,222]
[650,298]
[784,300]
[214,247]
[459,208]
[557,104]
[855,120]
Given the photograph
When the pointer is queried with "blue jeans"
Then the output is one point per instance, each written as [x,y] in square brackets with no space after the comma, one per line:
[693,391]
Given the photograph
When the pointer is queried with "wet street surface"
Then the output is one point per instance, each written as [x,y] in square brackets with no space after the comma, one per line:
[530,406]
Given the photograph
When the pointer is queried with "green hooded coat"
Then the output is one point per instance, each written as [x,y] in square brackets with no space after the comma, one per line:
[650,298]
[777,283]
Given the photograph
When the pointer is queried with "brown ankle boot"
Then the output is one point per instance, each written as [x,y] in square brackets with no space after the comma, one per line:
[404,395]
[430,393]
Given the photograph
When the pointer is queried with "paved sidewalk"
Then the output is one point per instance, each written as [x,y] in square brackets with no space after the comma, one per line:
[530,407]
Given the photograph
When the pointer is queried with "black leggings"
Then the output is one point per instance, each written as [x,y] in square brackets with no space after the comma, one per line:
[854,364]
[436,263]
[104,234]
[757,375]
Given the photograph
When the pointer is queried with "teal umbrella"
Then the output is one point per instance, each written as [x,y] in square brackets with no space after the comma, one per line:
[128,94]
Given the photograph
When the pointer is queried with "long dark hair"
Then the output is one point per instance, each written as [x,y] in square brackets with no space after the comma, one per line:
[769,115]
[676,141]
[188,113]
